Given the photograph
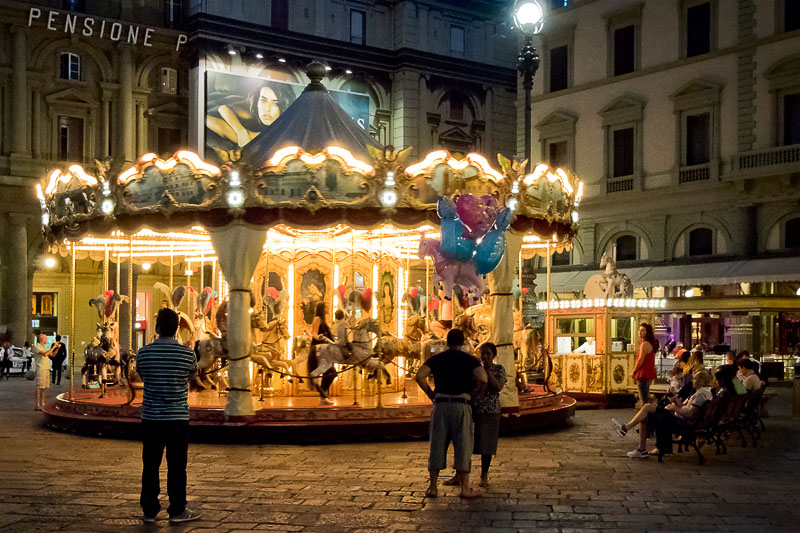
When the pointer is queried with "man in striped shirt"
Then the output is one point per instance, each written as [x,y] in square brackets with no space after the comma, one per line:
[165,366]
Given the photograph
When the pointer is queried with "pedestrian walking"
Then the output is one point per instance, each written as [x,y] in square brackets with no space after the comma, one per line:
[165,366]
[27,354]
[457,377]
[644,370]
[43,354]
[5,359]
[59,356]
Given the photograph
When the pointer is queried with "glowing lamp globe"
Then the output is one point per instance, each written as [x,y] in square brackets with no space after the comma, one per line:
[529,16]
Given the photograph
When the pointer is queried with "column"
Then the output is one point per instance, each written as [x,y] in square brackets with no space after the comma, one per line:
[36,121]
[125,147]
[141,130]
[19,95]
[105,125]
[18,293]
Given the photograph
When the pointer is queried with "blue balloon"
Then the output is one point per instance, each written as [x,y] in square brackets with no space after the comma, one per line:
[503,219]
[490,251]
[446,208]
[454,244]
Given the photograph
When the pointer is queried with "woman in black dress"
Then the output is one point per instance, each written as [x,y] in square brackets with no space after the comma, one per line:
[321,333]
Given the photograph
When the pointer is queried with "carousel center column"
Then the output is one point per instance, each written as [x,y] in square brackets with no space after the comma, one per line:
[501,282]
[20,304]
[238,247]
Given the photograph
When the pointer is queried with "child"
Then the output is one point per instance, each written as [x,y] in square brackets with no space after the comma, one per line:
[342,340]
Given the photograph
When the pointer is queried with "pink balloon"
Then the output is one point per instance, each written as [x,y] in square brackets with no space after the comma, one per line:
[478,214]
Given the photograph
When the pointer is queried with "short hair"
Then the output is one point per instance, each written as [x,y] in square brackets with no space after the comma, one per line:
[749,364]
[319,310]
[743,353]
[455,337]
[58,338]
[166,322]
[684,356]
[703,377]
[339,314]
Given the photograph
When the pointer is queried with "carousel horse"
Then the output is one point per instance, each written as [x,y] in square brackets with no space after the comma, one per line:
[611,283]
[212,353]
[269,344]
[362,354]
[482,318]
[301,346]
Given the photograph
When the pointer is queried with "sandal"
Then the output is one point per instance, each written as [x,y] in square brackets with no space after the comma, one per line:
[432,492]
[452,482]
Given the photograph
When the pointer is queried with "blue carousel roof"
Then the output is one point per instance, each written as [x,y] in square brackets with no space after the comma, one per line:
[313,122]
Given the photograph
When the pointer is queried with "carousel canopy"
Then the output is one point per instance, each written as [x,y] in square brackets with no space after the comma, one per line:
[314,121]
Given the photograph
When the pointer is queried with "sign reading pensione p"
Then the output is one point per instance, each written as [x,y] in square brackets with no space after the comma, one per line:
[73,23]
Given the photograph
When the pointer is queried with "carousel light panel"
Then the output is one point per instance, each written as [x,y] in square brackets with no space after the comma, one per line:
[621,303]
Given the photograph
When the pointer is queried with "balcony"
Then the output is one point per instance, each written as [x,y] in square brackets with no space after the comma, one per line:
[619,184]
[766,162]
[694,173]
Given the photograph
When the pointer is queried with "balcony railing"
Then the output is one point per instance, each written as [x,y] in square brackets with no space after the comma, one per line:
[694,173]
[619,185]
[767,159]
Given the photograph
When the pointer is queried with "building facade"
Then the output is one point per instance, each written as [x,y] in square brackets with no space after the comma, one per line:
[683,119]
[87,80]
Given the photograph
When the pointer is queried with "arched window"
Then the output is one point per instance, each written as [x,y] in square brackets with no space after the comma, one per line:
[701,242]
[791,239]
[71,67]
[626,248]
[560,259]
[169,81]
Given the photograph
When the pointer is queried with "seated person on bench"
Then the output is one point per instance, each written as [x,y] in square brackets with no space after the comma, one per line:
[676,417]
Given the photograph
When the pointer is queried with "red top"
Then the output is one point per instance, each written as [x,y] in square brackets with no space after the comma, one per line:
[648,368]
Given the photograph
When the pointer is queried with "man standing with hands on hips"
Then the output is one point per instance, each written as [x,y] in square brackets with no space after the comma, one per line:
[165,366]
[457,376]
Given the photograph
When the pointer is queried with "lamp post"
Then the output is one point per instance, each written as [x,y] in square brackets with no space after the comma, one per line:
[529,19]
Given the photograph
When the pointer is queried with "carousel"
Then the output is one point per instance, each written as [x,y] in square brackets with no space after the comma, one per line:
[312,227]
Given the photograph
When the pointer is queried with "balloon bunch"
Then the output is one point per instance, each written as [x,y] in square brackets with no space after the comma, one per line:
[473,230]
[516,291]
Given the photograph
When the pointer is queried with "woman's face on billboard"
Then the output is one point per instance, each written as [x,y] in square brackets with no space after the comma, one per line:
[267,106]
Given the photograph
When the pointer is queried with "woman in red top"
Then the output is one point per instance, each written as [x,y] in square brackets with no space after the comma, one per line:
[644,371]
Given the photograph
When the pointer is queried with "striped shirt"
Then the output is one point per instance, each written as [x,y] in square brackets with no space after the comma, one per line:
[165,366]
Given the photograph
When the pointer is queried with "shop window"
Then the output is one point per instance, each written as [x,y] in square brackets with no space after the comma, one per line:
[358,27]
[625,248]
[457,41]
[624,50]
[74,5]
[71,66]
[169,81]
[560,259]
[698,29]
[280,14]
[575,335]
[791,15]
[792,236]
[701,242]
[622,148]
[70,139]
[44,303]
[559,68]
[791,119]
[173,12]
[622,329]
[169,141]
[698,139]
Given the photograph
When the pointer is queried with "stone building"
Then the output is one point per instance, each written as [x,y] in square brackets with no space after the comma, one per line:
[683,119]
[86,80]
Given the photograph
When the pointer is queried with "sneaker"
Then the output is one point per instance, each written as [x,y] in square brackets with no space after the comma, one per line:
[186,516]
[326,401]
[638,454]
[148,519]
[619,428]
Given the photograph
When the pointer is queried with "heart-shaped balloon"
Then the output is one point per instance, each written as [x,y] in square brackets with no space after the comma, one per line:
[342,290]
[414,292]
[477,214]
[524,290]
[366,300]
[273,293]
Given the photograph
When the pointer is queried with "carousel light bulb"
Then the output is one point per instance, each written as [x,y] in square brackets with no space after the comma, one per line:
[689,293]
[259,56]
[45,218]
[107,206]
[348,71]
[389,198]
[798,292]
[575,217]
[512,204]
[235,180]
[188,272]
[235,198]
[50,262]
[281,60]
[146,266]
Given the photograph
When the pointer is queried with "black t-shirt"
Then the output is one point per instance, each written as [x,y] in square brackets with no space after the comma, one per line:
[61,354]
[452,371]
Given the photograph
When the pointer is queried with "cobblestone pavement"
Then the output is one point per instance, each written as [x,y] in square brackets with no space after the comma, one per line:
[572,479]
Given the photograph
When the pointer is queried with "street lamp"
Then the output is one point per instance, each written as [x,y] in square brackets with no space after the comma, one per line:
[529,19]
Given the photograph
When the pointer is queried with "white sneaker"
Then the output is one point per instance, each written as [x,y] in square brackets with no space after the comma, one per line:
[638,454]
[618,427]
[326,401]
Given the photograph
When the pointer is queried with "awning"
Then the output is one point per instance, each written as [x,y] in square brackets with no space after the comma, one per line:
[716,273]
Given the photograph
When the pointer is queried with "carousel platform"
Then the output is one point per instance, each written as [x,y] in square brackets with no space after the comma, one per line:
[293,419]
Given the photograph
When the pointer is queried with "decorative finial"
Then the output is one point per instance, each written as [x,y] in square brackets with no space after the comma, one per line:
[315,71]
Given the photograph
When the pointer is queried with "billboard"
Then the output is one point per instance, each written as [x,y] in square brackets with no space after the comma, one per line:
[238,108]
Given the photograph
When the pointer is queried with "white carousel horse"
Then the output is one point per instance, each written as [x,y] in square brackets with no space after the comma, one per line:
[363,355]
[611,283]
[270,343]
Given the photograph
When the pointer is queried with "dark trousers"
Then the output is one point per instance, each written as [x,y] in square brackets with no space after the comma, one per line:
[56,371]
[665,424]
[174,436]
